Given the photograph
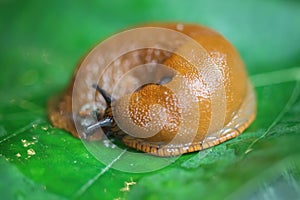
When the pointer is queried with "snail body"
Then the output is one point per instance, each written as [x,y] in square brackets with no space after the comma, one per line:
[204,100]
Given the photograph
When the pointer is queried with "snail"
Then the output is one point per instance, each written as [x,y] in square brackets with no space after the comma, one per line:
[196,98]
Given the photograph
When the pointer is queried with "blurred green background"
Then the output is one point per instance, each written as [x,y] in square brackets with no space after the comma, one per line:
[40,45]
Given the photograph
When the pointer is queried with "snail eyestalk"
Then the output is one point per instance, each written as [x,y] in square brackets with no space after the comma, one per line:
[105,95]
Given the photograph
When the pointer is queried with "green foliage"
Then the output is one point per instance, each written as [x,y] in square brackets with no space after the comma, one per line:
[41,42]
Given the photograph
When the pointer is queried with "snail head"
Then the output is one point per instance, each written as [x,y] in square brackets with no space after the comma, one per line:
[107,121]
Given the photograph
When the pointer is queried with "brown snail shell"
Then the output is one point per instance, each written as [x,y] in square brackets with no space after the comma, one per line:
[220,114]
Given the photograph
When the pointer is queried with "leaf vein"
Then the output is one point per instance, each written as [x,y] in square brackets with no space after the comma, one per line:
[276,77]
[287,106]
[25,128]
[91,181]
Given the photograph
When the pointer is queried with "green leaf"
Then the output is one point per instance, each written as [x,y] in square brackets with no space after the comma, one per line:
[41,42]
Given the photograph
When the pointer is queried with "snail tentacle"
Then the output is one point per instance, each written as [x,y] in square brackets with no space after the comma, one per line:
[106,122]
[107,97]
